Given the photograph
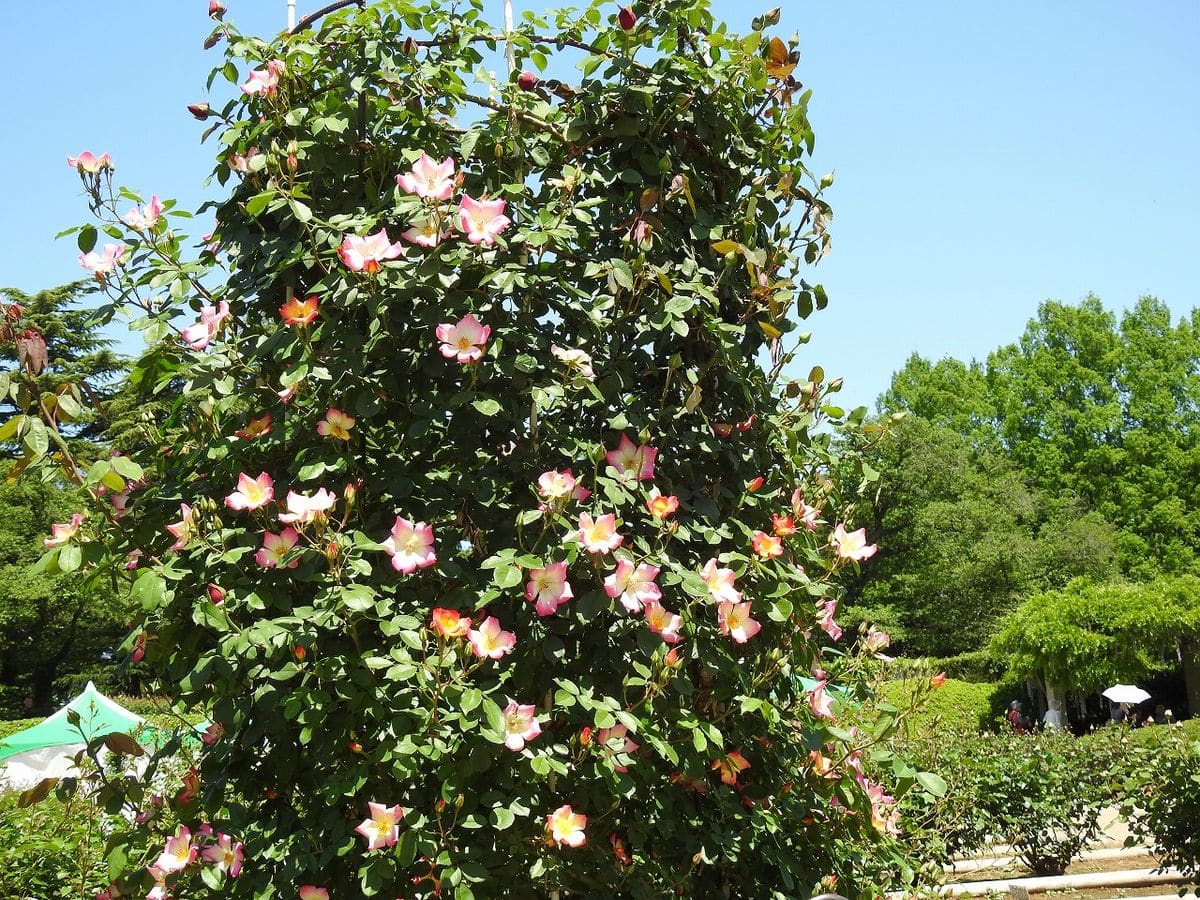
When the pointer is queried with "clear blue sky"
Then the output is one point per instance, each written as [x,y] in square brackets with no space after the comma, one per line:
[988,155]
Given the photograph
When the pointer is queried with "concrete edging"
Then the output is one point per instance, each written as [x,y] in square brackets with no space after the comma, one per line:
[1083,881]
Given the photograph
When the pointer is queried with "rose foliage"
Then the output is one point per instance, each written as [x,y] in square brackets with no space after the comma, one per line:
[484,525]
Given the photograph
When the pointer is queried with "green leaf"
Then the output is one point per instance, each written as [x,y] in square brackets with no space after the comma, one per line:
[69,557]
[127,468]
[501,818]
[86,239]
[256,204]
[487,406]
[933,783]
[358,598]
[507,576]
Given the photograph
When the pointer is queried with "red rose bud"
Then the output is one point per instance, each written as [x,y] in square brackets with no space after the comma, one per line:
[215,594]
[216,8]
[754,484]
[355,747]
[527,81]
[747,425]
[671,660]
[200,110]
[585,736]
[722,429]
[627,18]
[300,652]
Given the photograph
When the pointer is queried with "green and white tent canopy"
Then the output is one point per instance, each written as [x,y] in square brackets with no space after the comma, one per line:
[46,749]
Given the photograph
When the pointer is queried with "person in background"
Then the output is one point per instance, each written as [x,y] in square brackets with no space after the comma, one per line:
[1016,718]
[1052,719]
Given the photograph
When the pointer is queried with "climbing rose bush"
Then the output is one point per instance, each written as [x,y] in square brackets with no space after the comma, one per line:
[477,546]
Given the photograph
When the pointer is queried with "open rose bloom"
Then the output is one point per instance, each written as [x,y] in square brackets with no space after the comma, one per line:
[179,852]
[62,534]
[520,725]
[276,548]
[429,180]
[565,827]
[464,341]
[105,262]
[482,221]
[297,312]
[368,254]
[490,641]
[226,855]
[851,545]
[90,163]
[735,621]
[631,461]
[303,509]
[382,829]
[633,585]
[548,588]
[410,545]
[336,424]
[449,623]
[252,493]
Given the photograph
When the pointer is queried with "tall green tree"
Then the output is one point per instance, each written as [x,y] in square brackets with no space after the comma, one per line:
[1098,411]
[962,538]
[53,334]
[50,624]
[55,357]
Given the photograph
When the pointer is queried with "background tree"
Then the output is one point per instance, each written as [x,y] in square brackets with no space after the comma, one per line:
[1070,453]
[54,355]
[962,538]
[1089,636]
[75,370]
[50,625]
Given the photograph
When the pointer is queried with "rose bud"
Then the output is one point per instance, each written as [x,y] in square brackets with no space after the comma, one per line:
[216,8]
[754,484]
[200,110]
[527,81]
[213,39]
[722,429]
[585,736]
[215,594]
[627,18]
[747,425]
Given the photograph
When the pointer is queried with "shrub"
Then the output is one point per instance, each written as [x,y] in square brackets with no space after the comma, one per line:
[977,666]
[12,726]
[1041,793]
[564,355]
[51,851]
[1162,799]
[957,706]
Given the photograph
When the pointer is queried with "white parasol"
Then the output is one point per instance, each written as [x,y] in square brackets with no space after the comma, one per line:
[1126,693]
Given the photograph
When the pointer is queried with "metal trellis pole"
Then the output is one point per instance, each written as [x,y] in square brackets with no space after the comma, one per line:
[508,44]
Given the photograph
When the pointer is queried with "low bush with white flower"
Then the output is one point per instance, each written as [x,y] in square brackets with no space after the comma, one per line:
[488,527]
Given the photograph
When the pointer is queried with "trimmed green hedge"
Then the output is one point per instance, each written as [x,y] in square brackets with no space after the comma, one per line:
[956,706]
[165,722]
[12,726]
